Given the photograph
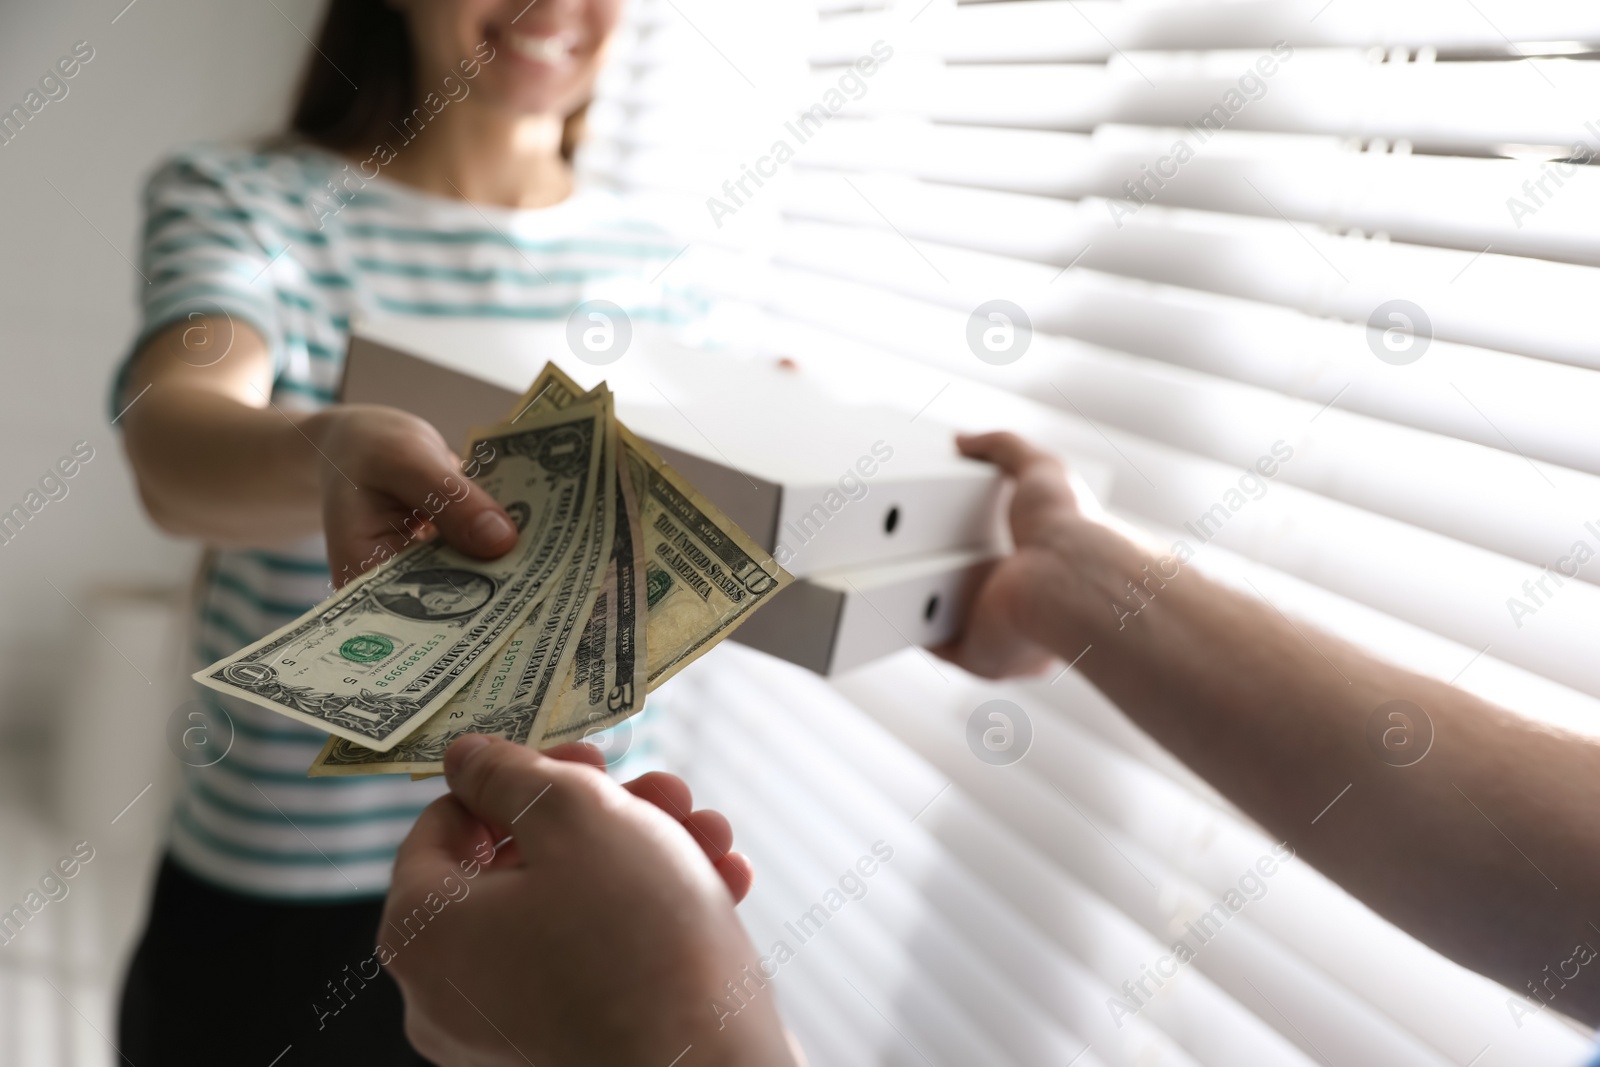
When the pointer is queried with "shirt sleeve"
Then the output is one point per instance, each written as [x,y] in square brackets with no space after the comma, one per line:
[205,253]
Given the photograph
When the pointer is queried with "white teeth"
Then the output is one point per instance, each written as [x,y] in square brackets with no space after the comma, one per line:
[542,49]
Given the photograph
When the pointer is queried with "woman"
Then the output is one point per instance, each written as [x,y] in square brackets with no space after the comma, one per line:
[428,172]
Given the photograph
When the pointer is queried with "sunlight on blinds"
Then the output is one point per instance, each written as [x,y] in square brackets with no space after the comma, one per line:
[1355,236]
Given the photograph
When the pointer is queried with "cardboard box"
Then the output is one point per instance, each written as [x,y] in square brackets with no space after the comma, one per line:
[819,482]
[887,530]
[836,621]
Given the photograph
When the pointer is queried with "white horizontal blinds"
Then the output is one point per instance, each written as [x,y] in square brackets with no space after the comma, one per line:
[1431,199]
[1260,263]
[1018,895]
[1316,359]
[936,903]
[1184,485]
[1177,340]
[1126,869]
[1445,578]
[1430,104]
[1270,261]
[1093,30]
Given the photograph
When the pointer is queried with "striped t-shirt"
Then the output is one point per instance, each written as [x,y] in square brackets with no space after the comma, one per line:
[249,234]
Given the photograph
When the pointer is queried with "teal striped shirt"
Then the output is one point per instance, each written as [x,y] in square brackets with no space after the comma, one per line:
[247,234]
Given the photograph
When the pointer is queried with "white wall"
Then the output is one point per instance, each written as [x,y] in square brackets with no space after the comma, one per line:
[165,72]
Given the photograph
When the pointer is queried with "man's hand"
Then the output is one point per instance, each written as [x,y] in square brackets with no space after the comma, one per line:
[390,480]
[998,638]
[1275,715]
[602,933]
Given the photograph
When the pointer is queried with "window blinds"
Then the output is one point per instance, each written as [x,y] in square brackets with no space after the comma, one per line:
[1207,211]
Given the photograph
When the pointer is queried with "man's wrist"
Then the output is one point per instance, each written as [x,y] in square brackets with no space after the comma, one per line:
[738,1028]
[1092,575]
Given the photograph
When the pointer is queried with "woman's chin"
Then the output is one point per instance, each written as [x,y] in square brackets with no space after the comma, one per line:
[535,96]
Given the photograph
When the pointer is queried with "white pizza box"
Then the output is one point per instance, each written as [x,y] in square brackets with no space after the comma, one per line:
[839,620]
[820,482]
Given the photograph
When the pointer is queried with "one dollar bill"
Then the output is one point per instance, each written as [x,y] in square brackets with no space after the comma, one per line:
[511,694]
[389,650]
[694,576]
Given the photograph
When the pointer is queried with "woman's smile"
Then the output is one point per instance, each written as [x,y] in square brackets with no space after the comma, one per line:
[544,49]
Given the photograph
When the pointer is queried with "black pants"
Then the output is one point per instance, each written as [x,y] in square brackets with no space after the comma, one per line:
[220,978]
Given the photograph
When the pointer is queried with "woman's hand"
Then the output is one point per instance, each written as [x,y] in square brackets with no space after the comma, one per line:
[1001,635]
[217,459]
[390,480]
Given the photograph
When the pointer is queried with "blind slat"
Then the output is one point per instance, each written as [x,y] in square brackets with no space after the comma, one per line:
[1055,982]
[1043,816]
[1092,30]
[1444,107]
[1093,929]
[899,914]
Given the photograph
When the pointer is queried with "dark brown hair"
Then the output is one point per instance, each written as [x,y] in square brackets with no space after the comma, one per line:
[366,43]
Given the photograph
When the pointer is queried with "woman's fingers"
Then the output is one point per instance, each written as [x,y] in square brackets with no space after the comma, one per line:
[393,482]
[425,478]
[478,526]
[363,527]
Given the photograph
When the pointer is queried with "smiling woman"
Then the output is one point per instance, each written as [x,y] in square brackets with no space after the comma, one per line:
[555,54]
[426,172]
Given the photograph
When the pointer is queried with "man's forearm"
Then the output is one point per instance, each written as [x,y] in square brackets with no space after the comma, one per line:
[1464,848]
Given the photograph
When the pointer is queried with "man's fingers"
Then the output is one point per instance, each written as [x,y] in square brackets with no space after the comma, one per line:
[499,781]
[1005,450]
[711,831]
[444,834]
[578,752]
[666,791]
[738,874]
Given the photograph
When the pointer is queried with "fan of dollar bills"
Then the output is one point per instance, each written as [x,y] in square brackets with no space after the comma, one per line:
[622,575]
